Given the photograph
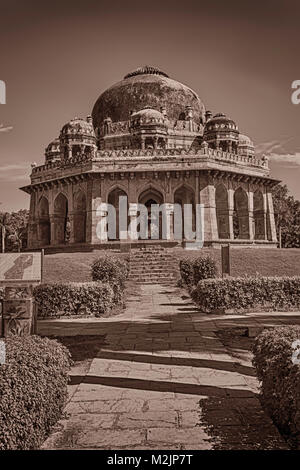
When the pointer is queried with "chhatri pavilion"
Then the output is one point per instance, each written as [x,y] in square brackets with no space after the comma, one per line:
[150,138]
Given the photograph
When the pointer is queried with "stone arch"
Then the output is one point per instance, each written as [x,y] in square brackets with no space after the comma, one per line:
[44,227]
[60,218]
[222,211]
[79,217]
[241,214]
[148,197]
[259,215]
[113,199]
[184,194]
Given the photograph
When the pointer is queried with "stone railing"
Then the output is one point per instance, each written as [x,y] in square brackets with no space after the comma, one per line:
[115,128]
[199,154]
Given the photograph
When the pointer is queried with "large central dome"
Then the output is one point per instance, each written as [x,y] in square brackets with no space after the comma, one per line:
[146,87]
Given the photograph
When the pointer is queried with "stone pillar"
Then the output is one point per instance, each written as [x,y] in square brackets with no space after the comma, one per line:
[132,213]
[271,219]
[250,215]
[53,230]
[230,212]
[207,198]
[72,227]
[168,219]
[265,215]
[94,216]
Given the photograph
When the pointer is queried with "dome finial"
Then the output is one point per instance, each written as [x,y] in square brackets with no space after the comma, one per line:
[146,70]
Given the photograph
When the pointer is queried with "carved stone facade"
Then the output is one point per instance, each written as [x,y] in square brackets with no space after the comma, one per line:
[164,150]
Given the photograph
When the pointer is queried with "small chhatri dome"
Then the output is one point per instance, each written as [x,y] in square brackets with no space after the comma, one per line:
[148,112]
[220,122]
[78,126]
[52,151]
[148,117]
[244,140]
[146,70]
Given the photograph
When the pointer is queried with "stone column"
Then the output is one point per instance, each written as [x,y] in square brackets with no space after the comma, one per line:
[94,214]
[265,215]
[132,213]
[230,212]
[250,215]
[73,228]
[52,230]
[271,218]
[207,198]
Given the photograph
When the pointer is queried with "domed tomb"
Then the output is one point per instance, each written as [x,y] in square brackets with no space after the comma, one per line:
[146,87]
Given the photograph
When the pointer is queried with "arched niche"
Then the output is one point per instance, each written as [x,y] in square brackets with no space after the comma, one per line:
[60,218]
[259,215]
[148,198]
[114,200]
[222,211]
[184,196]
[79,217]
[241,214]
[44,231]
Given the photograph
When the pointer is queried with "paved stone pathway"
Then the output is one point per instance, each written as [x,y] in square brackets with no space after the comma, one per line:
[162,380]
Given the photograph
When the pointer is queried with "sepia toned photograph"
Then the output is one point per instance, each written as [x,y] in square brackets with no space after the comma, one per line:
[149,230]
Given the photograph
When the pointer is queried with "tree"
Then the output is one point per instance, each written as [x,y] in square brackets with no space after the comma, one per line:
[17,229]
[287,217]
[4,223]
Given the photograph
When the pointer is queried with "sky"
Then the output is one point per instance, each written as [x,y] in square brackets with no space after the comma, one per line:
[57,57]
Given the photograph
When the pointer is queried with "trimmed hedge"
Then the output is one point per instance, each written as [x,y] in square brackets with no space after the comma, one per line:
[88,298]
[267,293]
[33,390]
[280,378]
[193,270]
[110,269]
[114,271]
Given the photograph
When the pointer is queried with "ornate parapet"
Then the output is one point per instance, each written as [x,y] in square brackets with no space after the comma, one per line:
[163,159]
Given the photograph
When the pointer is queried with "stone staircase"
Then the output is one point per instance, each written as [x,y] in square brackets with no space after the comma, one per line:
[153,265]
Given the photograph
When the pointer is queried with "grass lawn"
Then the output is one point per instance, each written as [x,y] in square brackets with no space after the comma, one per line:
[252,261]
[75,267]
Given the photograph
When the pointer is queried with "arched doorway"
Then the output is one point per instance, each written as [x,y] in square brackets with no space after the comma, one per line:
[79,218]
[114,199]
[149,198]
[222,211]
[184,196]
[259,215]
[241,214]
[44,232]
[61,218]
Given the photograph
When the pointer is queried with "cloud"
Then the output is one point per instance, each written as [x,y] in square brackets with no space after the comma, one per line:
[287,159]
[5,129]
[15,172]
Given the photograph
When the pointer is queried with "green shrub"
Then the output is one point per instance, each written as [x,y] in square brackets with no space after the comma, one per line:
[110,269]
[196,269]
[33,390]
[269,293]
[187,271]
[280,378]
[88,298]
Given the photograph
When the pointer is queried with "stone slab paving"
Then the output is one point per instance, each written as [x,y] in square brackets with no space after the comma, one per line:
[163,380]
